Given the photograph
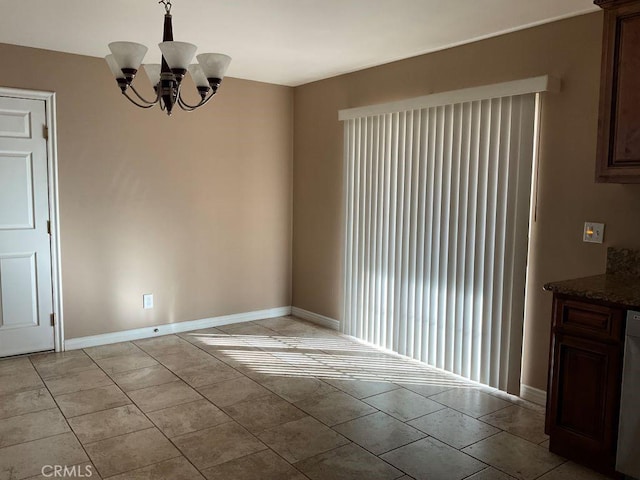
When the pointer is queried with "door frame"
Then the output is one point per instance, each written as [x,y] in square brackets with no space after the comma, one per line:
[49,99]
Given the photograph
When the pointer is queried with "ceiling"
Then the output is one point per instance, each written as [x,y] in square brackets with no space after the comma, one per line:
[288,42]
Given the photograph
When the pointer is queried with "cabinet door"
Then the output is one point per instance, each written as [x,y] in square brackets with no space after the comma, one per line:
[584,403]
[619,123]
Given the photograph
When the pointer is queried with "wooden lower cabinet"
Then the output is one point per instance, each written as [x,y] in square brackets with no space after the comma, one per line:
[585,375]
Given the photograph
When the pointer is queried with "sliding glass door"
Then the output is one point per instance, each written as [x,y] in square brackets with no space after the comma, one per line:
[437,211]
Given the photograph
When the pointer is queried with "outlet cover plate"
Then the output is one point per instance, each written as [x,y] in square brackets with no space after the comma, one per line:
[147,301]
[593,232]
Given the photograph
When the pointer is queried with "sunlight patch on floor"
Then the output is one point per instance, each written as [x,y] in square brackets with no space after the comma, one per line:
[329,358]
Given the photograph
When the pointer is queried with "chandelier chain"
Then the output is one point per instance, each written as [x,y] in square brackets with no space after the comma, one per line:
[167,5]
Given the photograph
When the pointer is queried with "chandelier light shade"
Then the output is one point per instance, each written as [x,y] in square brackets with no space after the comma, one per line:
[128,55]
[166,78]
[214,65]
[178,54]
[197,75]
[153,72]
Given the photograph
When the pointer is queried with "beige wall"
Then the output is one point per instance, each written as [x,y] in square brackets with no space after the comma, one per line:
[195,209]
[568,196]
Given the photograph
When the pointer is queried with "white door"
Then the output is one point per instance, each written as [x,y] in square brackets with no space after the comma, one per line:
[26,299]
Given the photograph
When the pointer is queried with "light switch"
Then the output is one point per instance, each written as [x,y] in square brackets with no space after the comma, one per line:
[147,300]
[593,232]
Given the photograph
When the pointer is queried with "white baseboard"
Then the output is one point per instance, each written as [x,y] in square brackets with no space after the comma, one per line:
[148,332]
[316,318]
[533,395]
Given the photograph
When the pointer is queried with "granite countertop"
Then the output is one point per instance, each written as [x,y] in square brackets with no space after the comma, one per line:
[621,283]
[619,288]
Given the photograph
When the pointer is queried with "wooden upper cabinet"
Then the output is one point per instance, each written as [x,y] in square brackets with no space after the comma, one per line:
[618,155]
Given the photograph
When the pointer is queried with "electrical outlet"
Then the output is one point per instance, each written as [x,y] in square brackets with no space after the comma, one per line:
[147,300]
[593,232]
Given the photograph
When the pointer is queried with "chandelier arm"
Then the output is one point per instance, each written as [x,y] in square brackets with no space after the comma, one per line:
[190,108]
[185,106]
[142,99]
[136,103]
[186,109]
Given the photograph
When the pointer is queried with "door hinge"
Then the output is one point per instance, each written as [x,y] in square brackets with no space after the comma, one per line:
[53,319]
[49,227]
[45,132]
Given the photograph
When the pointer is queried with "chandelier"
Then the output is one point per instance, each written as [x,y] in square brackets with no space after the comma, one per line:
[126,57]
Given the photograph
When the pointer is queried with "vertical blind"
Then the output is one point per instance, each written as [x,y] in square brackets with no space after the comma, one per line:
[437,216]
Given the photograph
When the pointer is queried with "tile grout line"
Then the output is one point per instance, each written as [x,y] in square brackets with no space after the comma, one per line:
[255,453]
[552,469]
[39,438]
[324,365]
[43,387]
[150,420]
[63,415]
[480,471]
[308,414]
[454,448]
[203,398]
[378,456]
[132,403]
[497,468]
[356,418]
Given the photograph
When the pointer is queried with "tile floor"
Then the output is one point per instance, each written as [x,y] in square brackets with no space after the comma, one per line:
[275,399]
